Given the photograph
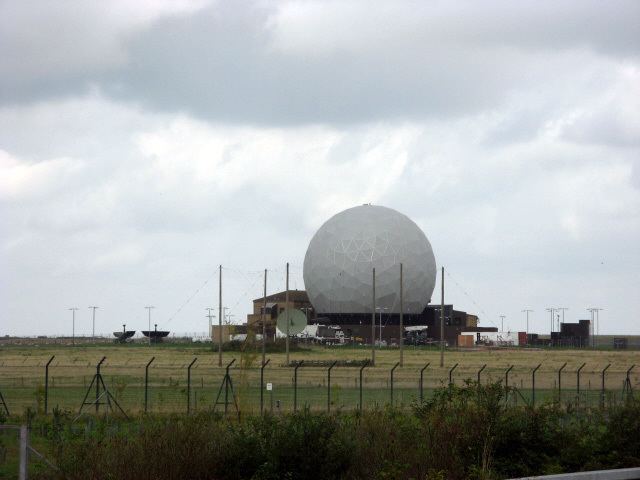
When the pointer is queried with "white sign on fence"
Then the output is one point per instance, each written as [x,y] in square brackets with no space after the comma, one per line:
[269,386]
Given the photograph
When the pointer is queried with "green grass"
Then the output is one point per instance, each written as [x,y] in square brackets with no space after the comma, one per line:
[70,373]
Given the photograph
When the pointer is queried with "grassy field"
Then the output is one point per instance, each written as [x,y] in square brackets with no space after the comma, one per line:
[71,371]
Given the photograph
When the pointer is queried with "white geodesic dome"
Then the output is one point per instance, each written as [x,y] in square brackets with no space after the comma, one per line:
[341,255]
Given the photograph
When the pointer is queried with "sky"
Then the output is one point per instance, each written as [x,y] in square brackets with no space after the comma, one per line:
[142,144]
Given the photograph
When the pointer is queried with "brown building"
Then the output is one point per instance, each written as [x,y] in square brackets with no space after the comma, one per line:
[275,304]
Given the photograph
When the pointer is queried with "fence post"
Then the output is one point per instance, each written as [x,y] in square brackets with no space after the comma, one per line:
[46,385]
[479,372]
[451,376]
[626,390]
[578,384]
[295,385]
[602,391]
[227,381]
[189,384]
[329,386]
[366,364]
[146,384]
[533,385]
[24,452]
[394,367]
[421,382]
[98,383]
[506,385]
[262,385]
[560,383]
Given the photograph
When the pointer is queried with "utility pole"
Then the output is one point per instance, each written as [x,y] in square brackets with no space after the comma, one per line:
[401,320]
[373,320]
[442,321]
[264,319]
[149,310]
[73,325]
[286,303]
[527,311]
[220,316]
[209,316]
[93,323]
[502,323]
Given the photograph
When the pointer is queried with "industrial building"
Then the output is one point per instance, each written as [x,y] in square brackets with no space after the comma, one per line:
[357,327]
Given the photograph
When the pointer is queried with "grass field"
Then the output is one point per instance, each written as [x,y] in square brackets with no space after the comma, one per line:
[71,371]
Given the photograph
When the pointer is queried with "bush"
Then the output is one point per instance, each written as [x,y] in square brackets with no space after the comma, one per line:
[462,432]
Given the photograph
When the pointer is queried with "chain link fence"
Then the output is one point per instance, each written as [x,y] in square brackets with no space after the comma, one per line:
[156,387]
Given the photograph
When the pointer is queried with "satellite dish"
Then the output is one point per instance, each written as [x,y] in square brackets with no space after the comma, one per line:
[297,321]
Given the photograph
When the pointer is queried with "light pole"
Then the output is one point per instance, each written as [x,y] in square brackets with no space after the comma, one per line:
[149,331]
[93,324]
[502,323]
[73,325]
[561,309]
[594,320]
[527,311]
[551,311]
[380,309]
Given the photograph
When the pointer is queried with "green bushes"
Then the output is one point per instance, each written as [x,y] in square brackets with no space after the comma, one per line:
[460,433]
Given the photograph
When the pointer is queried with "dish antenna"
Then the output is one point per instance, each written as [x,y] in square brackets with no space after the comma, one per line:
[297,321]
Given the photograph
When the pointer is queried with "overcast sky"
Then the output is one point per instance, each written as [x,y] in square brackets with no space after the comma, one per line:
[143,143]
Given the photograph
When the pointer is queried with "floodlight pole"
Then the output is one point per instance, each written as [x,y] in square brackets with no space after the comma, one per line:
[209,316]
[551,310]
[442,321]
[563,310]
[595,320]
[73,325]
[149,310]
[286,313]
[93,324]
[264,318]
[220,316]
[401,320]
[527,311]
[373,321]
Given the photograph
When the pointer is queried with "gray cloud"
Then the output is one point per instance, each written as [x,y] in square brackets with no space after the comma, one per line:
[250,62]
[164,140]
